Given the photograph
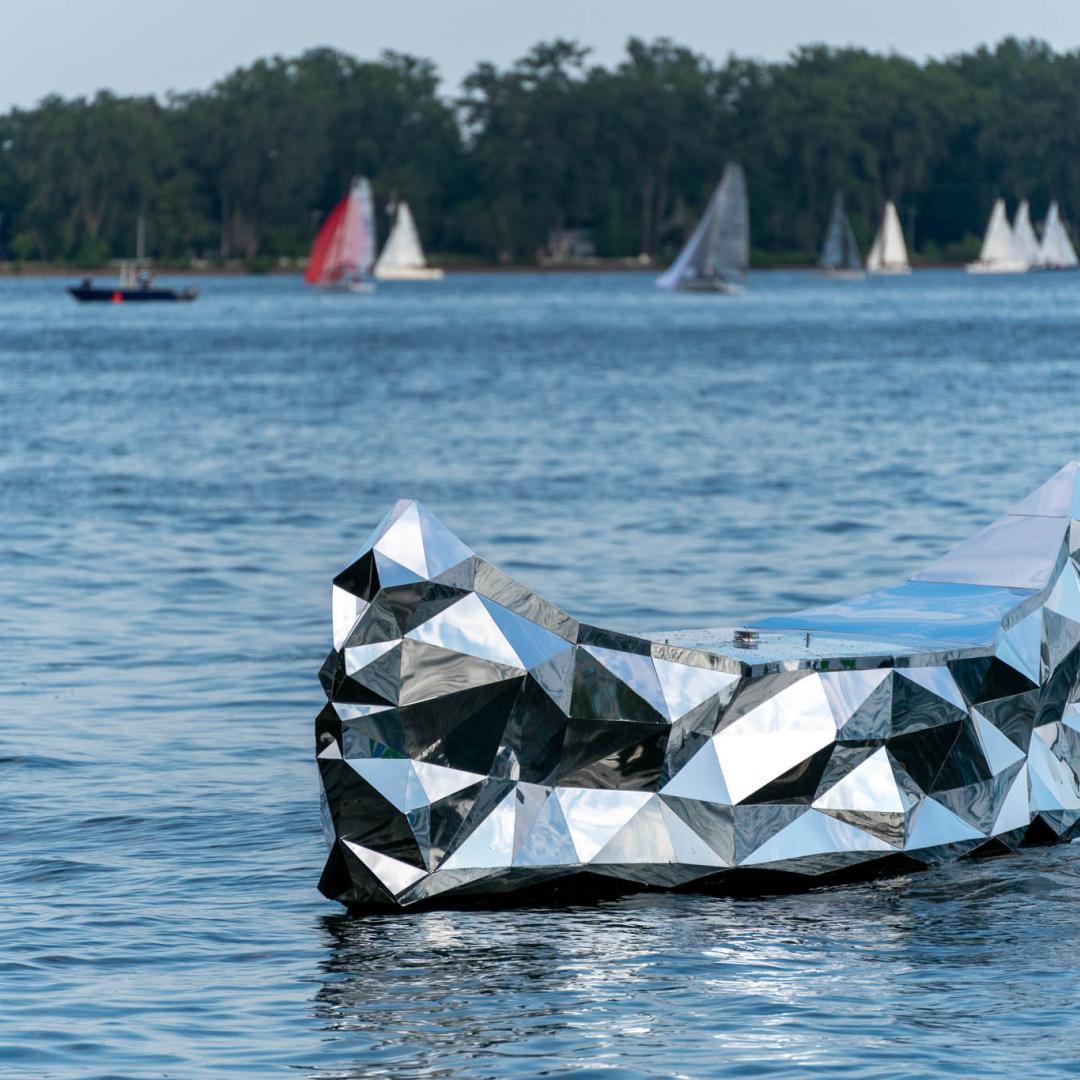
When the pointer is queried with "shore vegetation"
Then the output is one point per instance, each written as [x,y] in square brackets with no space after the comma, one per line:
[243,172]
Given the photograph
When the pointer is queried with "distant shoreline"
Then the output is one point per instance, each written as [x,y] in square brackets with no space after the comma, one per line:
[37,270]
[16,270]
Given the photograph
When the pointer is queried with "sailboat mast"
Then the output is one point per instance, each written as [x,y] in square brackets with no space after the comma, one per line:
[140,239]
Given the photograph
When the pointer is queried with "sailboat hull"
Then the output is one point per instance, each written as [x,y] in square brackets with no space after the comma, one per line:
[845,275]
[997,268]
[714,286]
[890,271]
[409,273]
[347,285]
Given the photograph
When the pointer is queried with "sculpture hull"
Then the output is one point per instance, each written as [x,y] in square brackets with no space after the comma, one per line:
[479,742]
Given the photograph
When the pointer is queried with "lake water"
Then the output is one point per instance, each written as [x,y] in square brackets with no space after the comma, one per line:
[181,482]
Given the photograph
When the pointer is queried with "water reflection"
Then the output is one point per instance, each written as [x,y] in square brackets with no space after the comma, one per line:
[854,977]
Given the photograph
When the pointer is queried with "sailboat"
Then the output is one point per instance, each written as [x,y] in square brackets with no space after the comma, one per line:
[402,257]
[1025,242]
[1056,251]
[888,254]
[344,248]
[716,258]
[840,254]
[999,254]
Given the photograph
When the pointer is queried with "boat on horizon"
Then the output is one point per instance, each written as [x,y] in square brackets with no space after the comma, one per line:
[1055,250]
[840,258]
[1025,242]
[344,249]
[136,284]
[999,254]
[716,258]
[402,256]
[888,253]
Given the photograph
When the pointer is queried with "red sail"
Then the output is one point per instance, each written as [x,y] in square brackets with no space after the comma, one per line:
[324,261]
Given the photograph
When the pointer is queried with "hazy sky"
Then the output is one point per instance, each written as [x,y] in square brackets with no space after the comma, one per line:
[77,46]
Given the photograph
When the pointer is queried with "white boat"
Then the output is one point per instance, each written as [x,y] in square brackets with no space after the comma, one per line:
[888,254]
[840,253]
[344,248]
[999,254]
[1025,242]
[402,259]
[1056,251]
[716,258]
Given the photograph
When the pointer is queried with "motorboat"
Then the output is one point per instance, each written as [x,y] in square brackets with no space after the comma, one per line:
[135,286]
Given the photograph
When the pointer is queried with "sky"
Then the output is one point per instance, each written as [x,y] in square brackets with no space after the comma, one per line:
[75,47]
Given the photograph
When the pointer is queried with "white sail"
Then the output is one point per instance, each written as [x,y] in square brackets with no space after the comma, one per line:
[888,255]
[840,252]
[873,258]
[999,254]
[1056,251]
[716,258]
[403,257]
[1025,242]
[361,192]
[998,241]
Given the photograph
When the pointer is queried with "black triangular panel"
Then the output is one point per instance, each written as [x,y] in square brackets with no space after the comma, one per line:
[534,734]
[985,678]
[368,819]
[378,623]
[1013,716]
[361,578]
[472,741]
[922,753]
[797,786]
[432,600]
[965,764]
[914,708]
[601,695]
[612,753]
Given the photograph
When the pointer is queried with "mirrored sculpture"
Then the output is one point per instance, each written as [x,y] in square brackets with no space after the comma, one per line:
[479,742]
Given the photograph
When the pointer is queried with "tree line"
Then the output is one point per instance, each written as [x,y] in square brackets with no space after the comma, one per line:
[248,168]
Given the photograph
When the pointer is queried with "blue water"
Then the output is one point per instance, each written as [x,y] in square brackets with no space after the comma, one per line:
[181,482]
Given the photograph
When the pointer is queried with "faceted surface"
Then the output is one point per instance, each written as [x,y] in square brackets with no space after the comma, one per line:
[477,741]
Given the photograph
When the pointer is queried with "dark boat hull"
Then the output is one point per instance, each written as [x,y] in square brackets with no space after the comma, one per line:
[715,284]
[90,294]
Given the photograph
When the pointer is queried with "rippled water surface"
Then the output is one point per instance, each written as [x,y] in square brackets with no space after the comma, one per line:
[181,482]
